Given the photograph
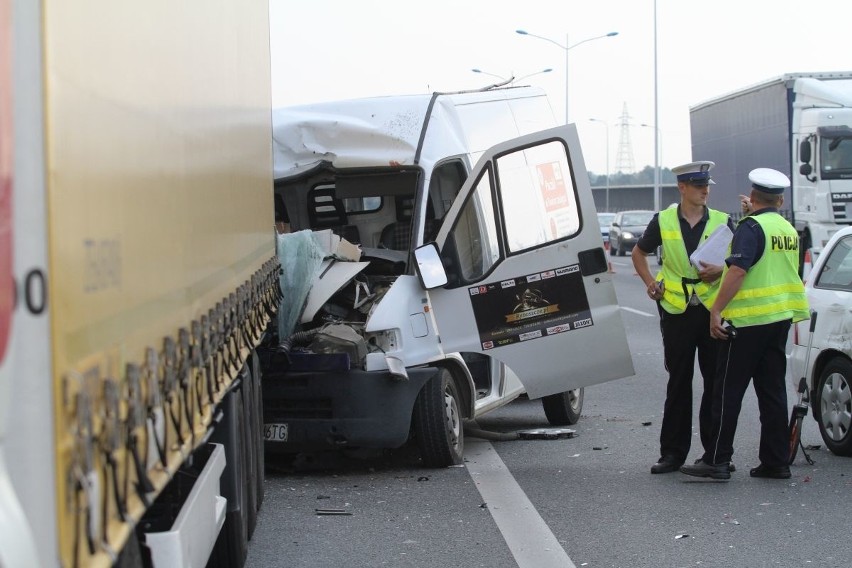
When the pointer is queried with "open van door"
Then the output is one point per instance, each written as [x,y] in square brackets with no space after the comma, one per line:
[517,271]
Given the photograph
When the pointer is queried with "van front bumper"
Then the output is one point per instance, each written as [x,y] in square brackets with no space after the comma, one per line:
[321,410]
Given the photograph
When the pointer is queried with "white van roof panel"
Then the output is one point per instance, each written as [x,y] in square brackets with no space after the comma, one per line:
[384,131]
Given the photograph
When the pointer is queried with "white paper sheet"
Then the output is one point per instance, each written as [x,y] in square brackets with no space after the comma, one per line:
[714,249]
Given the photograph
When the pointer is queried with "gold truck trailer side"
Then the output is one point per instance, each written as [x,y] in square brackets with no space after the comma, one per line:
[143,246]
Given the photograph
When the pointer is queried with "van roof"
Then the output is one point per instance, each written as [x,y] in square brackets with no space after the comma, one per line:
[394,130]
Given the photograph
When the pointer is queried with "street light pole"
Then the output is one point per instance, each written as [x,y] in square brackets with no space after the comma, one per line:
[511,80]
[566,48]
[606,124]
[491,74]
[548,70]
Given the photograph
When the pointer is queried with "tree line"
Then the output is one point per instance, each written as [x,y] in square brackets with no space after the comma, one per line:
[642,177]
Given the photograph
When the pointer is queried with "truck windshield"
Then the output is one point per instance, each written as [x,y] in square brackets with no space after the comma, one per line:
[836,157]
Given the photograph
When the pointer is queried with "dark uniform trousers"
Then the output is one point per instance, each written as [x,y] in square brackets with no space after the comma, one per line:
[758,353]
[683,334]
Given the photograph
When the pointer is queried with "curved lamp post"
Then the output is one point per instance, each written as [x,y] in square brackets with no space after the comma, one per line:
[512,79]
[566,48]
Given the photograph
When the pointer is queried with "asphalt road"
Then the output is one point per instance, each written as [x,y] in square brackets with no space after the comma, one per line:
[585,501]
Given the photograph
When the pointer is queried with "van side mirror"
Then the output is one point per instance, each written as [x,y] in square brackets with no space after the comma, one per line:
[430,268]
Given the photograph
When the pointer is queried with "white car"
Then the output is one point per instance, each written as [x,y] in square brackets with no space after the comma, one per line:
[829,364]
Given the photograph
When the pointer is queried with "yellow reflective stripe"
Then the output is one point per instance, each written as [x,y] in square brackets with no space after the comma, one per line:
[774,308]
[676,299]
[765,291]
[669,235]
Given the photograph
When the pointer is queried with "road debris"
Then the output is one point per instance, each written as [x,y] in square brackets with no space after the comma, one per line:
[546,433]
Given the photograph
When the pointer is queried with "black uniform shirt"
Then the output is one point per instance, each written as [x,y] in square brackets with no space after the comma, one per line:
[749,241]
[651,238]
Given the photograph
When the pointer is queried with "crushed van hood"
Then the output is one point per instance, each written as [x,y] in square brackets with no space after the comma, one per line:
[333,276]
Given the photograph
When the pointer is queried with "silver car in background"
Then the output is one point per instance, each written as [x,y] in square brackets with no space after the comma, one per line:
[604,220]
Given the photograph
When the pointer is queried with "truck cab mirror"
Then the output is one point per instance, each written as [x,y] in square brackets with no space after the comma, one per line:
[430,268]
[805,153]
[805,169]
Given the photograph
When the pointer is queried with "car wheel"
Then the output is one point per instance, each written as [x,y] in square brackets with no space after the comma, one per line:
[563,408]
[613,249]
[621,251]
[438,422]
[833,408]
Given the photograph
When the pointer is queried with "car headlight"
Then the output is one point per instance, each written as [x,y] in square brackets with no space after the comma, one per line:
[627,235]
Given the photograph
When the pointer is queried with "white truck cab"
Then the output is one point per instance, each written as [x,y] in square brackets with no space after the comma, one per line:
[481,274]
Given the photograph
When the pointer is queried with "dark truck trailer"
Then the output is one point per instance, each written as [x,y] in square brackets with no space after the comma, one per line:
[799,124]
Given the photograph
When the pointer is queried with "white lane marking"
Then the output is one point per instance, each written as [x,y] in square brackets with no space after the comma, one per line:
[529,538]
[638,312]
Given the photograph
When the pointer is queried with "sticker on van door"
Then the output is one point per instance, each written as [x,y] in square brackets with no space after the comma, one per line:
[530,307]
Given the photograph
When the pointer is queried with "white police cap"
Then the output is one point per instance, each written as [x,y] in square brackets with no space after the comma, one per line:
[768,180]
[695,173]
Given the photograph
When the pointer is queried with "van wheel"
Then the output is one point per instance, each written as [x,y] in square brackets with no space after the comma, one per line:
[833,408]
[438,422]
[563,408]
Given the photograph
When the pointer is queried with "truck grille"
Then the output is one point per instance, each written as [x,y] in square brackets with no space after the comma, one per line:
[841,204]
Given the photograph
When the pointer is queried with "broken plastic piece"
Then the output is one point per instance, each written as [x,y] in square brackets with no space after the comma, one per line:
[546,433]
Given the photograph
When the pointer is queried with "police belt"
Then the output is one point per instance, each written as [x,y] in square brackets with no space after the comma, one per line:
[693,299]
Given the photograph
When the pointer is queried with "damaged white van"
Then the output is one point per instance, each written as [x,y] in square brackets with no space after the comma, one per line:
[479,273]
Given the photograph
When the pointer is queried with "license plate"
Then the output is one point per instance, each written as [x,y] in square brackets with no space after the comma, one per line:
[275,432]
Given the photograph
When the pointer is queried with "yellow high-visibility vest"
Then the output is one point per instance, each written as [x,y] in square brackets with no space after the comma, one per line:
[679,276]
[772,290]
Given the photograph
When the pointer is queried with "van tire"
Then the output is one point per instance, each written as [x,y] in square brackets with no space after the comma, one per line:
[438,422]
[563,408]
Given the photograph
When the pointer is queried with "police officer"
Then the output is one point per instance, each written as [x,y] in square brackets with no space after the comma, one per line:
[683,294]
[760,296]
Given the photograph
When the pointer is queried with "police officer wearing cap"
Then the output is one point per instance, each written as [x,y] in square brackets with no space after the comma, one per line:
[683,294]
[760,296]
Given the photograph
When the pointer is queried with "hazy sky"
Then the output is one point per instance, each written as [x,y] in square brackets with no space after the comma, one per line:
[326,50]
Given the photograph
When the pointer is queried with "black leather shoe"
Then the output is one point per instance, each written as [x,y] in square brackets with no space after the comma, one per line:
[731,467]
[667,464]
[771,471]
[702,469]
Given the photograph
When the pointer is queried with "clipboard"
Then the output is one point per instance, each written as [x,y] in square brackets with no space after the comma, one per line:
[714,249]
